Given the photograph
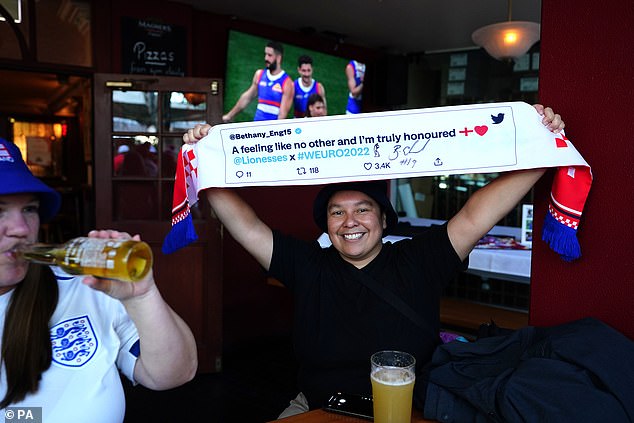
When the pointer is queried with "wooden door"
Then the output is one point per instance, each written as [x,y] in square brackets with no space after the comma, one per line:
[139,123]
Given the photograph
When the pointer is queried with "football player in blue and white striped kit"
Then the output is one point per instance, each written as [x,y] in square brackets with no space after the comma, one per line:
[305,86]
[355,73]
[272,86]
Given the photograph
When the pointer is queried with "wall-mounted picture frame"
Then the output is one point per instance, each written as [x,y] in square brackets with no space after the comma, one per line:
[457,74]
[527,225]
[458,59]
[529,84]
[455,88]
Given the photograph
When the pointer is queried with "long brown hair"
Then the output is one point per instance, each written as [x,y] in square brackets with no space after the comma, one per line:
[26,341]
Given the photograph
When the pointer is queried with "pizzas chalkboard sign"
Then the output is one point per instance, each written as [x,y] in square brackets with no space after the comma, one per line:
[153,48]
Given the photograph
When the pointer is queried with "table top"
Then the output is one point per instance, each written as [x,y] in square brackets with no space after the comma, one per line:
[322,416]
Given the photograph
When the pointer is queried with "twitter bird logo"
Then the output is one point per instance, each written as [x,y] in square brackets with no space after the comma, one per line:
[497,119]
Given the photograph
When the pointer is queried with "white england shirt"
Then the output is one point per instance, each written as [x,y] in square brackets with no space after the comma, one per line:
[92,337]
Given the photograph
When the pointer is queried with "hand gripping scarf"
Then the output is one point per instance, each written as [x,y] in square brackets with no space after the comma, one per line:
[482,138]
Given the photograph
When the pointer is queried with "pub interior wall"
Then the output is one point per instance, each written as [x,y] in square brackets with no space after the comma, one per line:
[585,76]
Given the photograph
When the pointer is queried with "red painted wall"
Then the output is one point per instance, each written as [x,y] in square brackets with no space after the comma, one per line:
[587,75]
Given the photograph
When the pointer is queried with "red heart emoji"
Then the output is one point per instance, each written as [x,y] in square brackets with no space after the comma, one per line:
[481,130]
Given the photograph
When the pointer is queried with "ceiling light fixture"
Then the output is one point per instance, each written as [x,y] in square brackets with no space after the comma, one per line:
[507,40]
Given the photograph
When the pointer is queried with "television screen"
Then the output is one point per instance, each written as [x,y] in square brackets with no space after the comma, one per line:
[245,54]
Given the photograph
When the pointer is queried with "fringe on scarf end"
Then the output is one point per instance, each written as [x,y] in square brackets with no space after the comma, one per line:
[181,235]
[561,238]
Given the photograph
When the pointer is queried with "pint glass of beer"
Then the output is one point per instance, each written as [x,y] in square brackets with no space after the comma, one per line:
[392,377]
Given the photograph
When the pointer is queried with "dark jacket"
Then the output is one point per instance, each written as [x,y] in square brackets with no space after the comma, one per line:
[581,371]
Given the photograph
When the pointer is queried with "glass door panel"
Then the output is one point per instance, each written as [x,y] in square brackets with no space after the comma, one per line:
[134,111]
[169,155]
[183,110]
[135,156]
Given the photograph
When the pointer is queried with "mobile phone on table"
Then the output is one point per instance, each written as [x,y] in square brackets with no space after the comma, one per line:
[351,405]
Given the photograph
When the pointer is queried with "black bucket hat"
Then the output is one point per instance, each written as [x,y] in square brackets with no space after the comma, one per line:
[377,190]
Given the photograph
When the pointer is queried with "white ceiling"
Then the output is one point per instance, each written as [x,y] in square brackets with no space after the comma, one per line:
[395,26]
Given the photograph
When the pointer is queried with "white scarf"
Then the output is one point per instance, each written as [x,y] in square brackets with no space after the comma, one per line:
[481,138]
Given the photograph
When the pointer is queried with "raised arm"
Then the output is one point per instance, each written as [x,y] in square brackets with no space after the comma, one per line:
[321,90]
[490,204]
[242,223]
[355,89]
[487,206]
[245,98]
[235,214]
[288,92]
[168,355]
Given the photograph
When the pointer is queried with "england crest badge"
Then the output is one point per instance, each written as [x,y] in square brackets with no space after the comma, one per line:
[74,342]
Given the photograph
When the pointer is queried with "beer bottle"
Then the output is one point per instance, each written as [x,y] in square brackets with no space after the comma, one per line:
[122,259]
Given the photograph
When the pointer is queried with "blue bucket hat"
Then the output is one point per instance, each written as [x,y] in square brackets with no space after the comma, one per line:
[16,178]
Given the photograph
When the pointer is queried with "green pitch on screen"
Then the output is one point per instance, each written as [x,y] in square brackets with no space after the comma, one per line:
[245,54]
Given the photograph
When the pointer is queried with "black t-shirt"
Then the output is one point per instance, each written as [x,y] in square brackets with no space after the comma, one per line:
[339,323]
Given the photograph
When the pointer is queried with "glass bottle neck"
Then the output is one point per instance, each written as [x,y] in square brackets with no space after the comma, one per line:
[38,253]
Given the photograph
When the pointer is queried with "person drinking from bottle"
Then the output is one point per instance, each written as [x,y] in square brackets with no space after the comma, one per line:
[65,338]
